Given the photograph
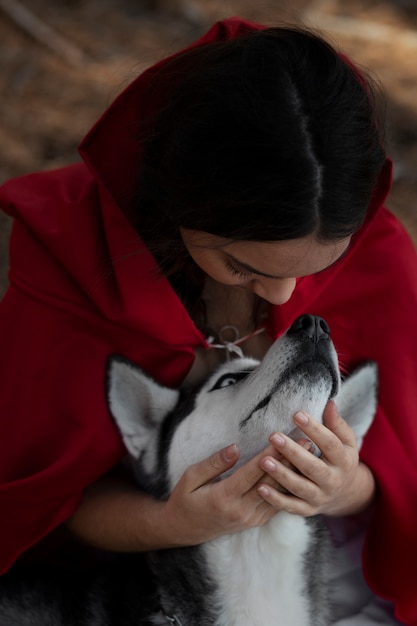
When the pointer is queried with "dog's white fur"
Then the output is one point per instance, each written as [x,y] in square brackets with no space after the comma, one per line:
[260,574]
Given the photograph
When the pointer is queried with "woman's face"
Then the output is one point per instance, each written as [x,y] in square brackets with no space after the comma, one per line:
[268,269]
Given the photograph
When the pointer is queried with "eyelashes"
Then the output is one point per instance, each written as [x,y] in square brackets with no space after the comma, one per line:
[236,272]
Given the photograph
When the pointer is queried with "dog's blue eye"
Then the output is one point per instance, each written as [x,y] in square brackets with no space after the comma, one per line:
[229,379]
[226,382]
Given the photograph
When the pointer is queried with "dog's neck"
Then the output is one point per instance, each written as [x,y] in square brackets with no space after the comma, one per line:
[250,578]
[258,572]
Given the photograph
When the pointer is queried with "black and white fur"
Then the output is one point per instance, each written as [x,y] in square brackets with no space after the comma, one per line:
[262,576]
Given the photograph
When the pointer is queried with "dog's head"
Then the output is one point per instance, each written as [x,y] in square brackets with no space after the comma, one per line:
[242,402]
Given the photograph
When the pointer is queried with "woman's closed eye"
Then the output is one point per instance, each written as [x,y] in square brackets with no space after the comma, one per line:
[237,272]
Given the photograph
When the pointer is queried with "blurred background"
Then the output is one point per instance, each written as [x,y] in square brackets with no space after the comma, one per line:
[64,61]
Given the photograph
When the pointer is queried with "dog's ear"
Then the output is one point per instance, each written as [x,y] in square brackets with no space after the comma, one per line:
[357,399]
[137,403]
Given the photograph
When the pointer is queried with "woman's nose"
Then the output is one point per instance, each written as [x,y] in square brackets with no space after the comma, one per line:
[274,290]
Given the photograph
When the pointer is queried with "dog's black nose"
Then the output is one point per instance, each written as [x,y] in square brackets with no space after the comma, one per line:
[312,326]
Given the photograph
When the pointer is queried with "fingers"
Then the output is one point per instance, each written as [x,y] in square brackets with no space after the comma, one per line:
[333,437]
[335,423]
[239,483]
[222,506]
[301,464]
[211,468]
[312,483]
[244,479]
[286,502]
[305,479]
[284,476]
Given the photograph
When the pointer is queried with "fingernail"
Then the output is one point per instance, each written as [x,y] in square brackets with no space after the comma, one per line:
[269,465]
[230,452]
[264,491]
[277,439]
[301,418]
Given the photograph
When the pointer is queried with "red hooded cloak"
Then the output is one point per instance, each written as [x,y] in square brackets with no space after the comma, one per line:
[83,286]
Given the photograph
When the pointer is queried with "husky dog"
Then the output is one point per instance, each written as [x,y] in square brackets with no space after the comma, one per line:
[258,577]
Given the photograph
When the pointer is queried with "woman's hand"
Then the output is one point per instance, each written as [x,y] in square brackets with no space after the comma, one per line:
[337,483]
[115,515]
[201,507]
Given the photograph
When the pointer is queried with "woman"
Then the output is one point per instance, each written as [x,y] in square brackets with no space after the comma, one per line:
[226,191]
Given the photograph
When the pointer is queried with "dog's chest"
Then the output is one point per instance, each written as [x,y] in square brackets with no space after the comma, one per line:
[261,573]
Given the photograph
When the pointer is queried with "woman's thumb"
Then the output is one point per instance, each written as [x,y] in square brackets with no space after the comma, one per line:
[212,467]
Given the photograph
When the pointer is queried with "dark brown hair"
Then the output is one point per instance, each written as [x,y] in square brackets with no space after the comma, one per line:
[269,136]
